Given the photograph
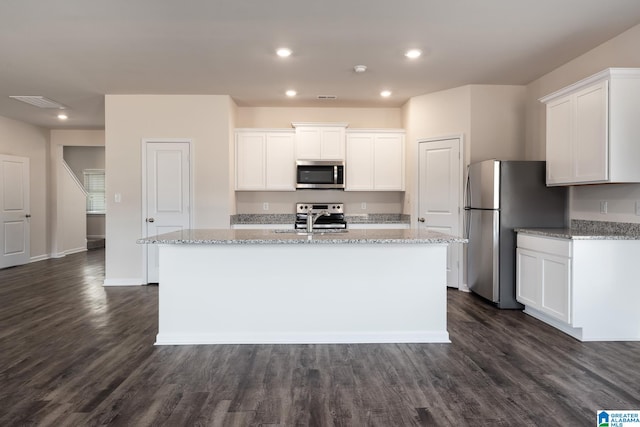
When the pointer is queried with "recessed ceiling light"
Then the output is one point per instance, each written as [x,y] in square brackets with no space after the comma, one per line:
[385,93]
[291,92]
[283,52]
[413,53]
[63,116]
[360,68]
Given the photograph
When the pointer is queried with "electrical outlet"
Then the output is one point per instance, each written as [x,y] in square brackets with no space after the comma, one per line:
[117,198]
[603,207]
[363,206]
[265,206]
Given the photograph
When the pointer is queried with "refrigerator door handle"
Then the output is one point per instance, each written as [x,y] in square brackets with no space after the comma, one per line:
[467,190]
[466,221]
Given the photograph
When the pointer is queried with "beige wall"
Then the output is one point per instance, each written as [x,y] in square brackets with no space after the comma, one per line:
[281,117]
[21,139]
[129,119]
[497,122]
[621,51]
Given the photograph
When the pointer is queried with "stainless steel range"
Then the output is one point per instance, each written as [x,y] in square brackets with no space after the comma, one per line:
[320,216]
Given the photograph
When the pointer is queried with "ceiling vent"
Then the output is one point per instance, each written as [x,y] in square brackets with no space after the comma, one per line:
[39,101]
[327,97]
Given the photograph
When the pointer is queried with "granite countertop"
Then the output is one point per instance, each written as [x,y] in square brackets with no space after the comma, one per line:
[231,236]
[589,230]
[288,219]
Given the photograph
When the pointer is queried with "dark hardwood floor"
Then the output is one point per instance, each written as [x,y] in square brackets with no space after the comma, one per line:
[75,353]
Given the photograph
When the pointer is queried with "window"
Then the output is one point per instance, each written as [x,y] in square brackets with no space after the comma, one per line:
[96,195]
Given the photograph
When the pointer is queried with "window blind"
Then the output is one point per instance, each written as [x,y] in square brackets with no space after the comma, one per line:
[94,184]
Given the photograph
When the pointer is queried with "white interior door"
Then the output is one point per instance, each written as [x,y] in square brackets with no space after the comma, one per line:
[167,198]
[440,191]
[14,211]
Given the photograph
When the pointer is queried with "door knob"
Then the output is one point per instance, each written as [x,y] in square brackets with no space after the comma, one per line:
[421,219]
[28,216]
[150,220]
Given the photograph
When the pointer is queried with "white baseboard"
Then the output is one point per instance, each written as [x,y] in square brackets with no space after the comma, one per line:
[75,250]
[39,258]
[123,282]
[304,338]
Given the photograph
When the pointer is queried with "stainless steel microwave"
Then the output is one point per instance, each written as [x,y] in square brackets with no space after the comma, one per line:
[322,174]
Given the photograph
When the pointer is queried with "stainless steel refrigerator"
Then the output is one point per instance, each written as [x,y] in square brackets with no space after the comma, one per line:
[501,196]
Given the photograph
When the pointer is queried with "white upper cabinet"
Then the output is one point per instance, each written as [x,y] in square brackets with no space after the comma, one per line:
[375,160]
[592,129]
[265,160]
[320,141]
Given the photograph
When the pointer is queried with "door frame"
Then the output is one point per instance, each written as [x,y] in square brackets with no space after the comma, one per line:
[143,199]
[461,169]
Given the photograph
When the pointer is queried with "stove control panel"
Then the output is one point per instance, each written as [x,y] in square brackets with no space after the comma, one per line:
[332,208]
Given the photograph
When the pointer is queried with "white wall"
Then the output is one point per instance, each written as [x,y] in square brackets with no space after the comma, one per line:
[206,120]
[74,214]
[21,139]
[621,51]
[62,231]
[438,114]
[489,117]
[80,158]
[284,202]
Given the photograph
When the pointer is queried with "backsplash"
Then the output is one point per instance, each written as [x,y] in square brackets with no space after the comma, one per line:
[284,202]
[605,227]
[290,218]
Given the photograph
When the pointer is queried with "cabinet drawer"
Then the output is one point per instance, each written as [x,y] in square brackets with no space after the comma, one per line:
[549,245]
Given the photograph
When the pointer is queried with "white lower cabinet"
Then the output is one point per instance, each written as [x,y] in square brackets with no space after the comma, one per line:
[544,276]
[587,288]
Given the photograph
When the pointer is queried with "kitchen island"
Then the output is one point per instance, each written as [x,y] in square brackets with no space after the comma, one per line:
[221,286]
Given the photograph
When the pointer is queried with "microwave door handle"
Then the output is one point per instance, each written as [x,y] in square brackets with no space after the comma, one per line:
[335,174]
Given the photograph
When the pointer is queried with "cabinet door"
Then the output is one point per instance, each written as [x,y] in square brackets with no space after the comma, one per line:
[559,137]
[528,289]
[555,276]
[332,143]
[308,143]
[280,162]
[389,162]
[590,151]
[359,163]
[250,154]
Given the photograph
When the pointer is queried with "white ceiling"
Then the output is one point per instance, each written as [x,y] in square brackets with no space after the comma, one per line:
[75,51]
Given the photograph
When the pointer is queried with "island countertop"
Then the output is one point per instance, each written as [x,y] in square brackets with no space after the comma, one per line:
[362,236]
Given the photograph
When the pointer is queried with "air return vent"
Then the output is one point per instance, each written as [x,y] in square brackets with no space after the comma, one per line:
[39,101]
[328,97]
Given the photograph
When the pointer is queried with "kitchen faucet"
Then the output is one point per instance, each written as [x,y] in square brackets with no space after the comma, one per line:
[311,219]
